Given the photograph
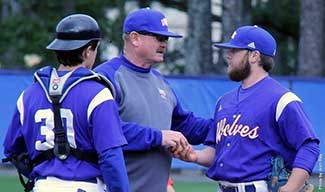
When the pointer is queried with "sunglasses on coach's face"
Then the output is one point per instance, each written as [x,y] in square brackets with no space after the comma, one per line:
[160,38]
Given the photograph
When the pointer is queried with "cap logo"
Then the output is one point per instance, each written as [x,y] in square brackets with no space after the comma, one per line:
[56,80]
[233,35]
[164,22]
[251,45]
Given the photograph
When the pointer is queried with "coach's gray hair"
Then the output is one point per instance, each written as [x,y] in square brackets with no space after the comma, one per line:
[267,62]
[126,36]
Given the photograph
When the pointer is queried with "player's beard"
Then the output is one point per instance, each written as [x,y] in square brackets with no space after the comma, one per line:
[242,71]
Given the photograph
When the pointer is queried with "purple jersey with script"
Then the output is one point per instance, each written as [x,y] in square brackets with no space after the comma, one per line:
[89,115]
[254,124]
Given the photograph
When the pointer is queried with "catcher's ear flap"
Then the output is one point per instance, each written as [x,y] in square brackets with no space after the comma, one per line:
[5,160]
[22,162]
[24,166]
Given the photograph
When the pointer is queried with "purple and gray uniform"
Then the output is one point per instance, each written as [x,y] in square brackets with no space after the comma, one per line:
[256,123]
[148,105]
[90,118]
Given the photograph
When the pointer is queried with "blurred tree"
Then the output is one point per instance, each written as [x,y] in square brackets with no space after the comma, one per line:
[235,13]
[311,50]
[114,27]
[27,26]
[198,43]
[284,26]
[196,49]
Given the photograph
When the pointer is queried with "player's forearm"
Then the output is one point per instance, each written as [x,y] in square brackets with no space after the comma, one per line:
[296,180]
[112,166]
[303,166]
[205,157]
[307,155]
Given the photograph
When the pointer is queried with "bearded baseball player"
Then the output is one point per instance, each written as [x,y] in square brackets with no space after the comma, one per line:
[256,122]
[67,122]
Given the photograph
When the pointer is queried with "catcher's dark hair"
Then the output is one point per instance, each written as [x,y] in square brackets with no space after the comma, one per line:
[74,57]
[267,62]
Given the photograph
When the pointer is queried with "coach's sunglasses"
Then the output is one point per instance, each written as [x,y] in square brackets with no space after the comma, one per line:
[160,38]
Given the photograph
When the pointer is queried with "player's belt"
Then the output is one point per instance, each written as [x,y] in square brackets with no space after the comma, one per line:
[246,188]
[91,180]
[243,187]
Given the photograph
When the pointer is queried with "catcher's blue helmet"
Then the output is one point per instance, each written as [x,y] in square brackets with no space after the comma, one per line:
[75,31]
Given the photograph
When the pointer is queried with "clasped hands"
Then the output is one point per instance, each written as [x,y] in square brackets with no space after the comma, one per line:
[178,145]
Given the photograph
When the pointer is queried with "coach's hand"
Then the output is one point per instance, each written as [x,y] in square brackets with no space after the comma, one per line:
[174,140]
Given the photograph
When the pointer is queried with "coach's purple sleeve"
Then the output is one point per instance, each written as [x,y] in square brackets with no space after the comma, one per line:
[195,129]
[111,163]
[140,138]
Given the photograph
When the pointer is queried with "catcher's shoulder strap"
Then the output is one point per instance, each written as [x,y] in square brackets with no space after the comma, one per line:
[61,148]
[61,145]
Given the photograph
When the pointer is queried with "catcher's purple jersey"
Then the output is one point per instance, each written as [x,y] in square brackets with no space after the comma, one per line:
[254,124]
[89,115]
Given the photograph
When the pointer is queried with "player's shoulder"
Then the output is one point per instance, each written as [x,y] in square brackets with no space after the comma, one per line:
[274,87]
[87,83]
[279,94]
[34,89]
[96,88]
[229,94]
[89,91]
[91,85]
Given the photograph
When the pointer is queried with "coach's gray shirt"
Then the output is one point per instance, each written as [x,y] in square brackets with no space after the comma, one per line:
[147,104]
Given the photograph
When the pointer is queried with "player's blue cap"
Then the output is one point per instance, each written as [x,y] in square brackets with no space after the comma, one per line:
[251,38]
[148,20]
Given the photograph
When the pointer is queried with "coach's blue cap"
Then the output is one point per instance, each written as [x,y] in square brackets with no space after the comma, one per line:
[252,38]
[148,20]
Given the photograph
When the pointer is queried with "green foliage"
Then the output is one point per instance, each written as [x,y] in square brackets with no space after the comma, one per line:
[281,18]
[29,25]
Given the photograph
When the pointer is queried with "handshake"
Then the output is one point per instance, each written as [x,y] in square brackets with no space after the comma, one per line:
[178,146]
